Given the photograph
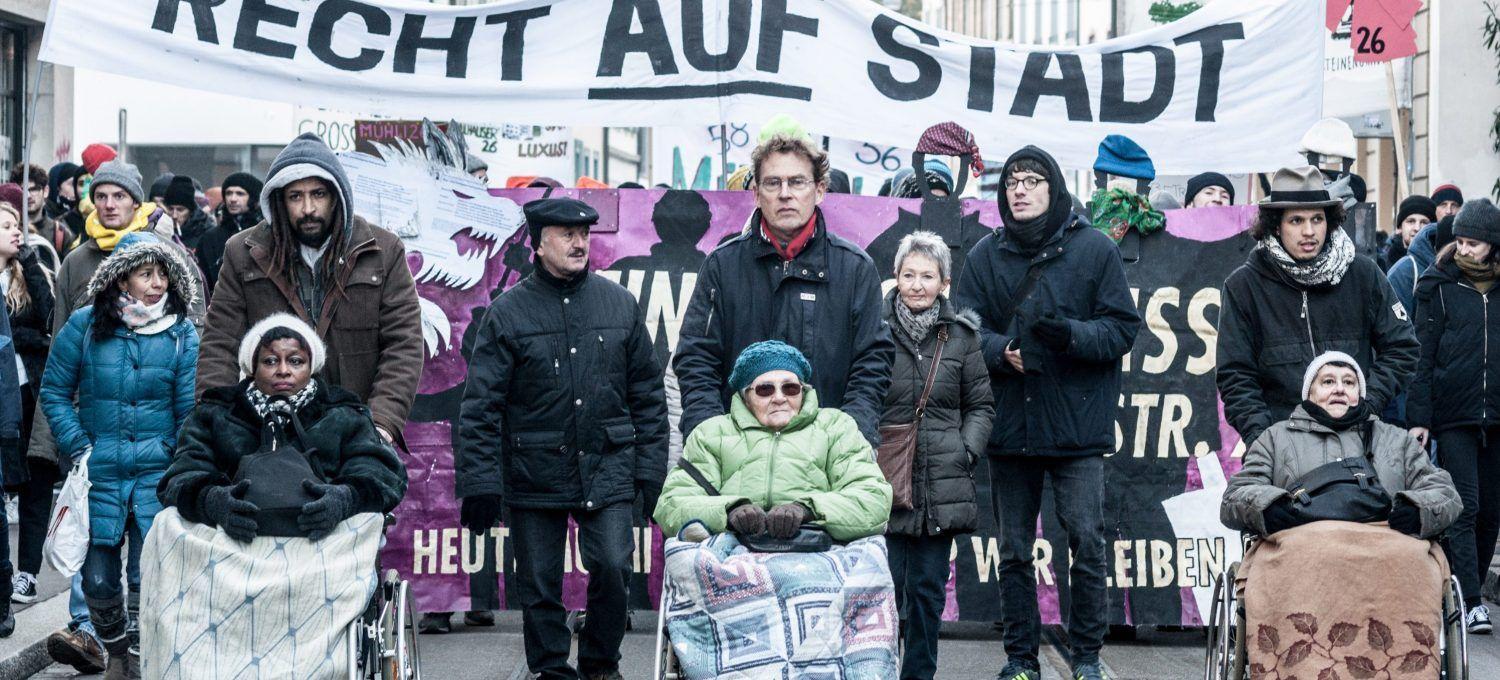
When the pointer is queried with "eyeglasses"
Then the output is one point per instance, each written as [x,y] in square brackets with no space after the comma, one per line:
[1028,182]
[772,185]
[765,390]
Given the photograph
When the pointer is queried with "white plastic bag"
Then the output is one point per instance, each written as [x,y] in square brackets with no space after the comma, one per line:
[68,532]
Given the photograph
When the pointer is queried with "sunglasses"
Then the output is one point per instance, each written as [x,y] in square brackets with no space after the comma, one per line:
[765,390]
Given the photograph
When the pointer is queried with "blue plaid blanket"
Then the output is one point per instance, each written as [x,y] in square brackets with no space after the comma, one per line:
[811,616]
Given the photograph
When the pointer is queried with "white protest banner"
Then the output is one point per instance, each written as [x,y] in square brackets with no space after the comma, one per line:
[1231,87]
[544,150]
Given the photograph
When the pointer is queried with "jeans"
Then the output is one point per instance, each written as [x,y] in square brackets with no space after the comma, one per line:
[1078,486]
[78,608]
[1472,457]
[115,614]
[919,567]
[604,545]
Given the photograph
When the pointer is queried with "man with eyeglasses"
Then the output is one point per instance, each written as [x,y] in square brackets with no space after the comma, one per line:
[1056,316]
[787,278]
[563,416]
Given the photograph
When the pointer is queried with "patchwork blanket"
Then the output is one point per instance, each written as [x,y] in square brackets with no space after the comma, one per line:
[276,608]
[738,615]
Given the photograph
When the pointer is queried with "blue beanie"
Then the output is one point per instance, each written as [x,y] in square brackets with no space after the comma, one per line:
[766,356]
[1120,155]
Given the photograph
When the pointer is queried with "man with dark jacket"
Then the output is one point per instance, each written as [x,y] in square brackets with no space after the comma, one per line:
[787,278]
[1056,317]
[239,211]
[181,202]
[564,415]
[38,186]
[314,258]
[1304,291]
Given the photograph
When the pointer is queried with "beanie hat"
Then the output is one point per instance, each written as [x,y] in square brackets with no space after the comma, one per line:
[95,155]
[120,174]
[1479,219]
[766,356]
[1329,137]
[160,184]
[1448,192]
[1332,358]
[1205,180]
[1416,205]
[1120,155]
[180,193]
[246,181]
[315,346]
[10,194]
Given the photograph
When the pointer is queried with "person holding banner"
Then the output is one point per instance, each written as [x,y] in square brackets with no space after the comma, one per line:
[564,416]
[1208,189]
[788,277]
[1301,292]
[1056,316]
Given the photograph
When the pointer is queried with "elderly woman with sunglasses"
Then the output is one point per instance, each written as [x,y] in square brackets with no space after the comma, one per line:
[777,460]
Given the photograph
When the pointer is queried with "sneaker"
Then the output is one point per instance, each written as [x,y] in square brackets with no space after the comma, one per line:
[1016,671]
[435,623]
[1089,671]
[23,588]
[479,618]
[1478,621]
[77,649]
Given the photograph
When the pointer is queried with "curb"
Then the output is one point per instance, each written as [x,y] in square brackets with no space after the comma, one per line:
[23,659]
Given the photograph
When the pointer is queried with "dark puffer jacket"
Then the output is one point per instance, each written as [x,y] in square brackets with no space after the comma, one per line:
[954,429]
[224,427]
[32,327]
[1458,377]
[825,302]
[1271,328]
[564,406]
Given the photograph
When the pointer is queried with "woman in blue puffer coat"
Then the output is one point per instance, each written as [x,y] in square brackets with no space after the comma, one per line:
[129,362]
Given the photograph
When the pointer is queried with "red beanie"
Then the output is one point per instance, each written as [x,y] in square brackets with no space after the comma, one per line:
[95,155]
[10,192]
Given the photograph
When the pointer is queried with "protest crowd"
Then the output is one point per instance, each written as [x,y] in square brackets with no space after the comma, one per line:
[211,403]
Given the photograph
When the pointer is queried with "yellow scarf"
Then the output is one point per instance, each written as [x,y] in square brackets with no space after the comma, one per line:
[106,237]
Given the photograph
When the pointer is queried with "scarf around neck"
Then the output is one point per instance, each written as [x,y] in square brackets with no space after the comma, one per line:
[916,325]
[265,404]
[135,314]
[1326,269]
[1354,416]
[107,238]
[1481,274]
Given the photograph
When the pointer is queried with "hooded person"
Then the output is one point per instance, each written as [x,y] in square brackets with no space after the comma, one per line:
[1302,291]
[181,201]
[120,209]
[1056,315]
[239,210]
[312,257]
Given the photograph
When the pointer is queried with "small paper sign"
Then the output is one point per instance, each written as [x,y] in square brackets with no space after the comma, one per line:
[1379,35]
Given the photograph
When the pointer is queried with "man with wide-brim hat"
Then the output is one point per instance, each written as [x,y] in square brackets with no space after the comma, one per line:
[1303,291]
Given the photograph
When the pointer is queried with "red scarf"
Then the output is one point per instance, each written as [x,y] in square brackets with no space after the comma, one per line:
[798,242]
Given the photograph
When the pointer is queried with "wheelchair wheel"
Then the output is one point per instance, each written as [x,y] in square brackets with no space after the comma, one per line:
[1225,657]
[1454,640]
[398,655]
[665,666]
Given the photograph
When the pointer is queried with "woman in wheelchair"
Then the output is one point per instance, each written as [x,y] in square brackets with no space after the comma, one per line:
[1278,488]
[776,460]
[266,551]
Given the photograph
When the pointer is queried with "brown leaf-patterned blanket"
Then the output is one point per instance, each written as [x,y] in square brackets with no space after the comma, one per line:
[1343,601]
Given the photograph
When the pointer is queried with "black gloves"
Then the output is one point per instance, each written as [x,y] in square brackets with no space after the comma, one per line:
[1053,332]
[1279,516]
[226,508]
[334,504]
[1406,518]
[480,513]
[747,518]
[650,493]
[784,520]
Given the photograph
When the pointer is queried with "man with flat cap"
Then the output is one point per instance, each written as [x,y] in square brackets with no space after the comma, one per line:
[563,416]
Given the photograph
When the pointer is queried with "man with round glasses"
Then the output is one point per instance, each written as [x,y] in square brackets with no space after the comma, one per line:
[787,278]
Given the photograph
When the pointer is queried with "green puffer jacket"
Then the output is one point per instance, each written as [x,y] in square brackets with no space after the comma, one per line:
[820,460]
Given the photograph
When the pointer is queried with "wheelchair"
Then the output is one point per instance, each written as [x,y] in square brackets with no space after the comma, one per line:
[1227,659]
[382,643]
[665,664]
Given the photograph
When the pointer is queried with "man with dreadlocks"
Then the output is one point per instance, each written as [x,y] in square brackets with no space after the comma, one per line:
[314,258]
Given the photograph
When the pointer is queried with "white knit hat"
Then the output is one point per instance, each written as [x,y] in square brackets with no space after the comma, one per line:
[1332,358]
[1329,137]
[315,345]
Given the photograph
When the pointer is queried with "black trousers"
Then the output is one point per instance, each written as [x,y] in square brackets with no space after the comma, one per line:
[538,539]
[1472,457]
[919,567]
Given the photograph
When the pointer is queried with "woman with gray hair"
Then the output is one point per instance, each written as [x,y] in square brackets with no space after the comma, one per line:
[940,406]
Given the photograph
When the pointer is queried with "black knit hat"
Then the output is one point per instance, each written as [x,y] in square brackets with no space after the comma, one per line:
[1416,205]
[1448,192]
[1479,219]
[1203,181]
[180,193]
[159,186]
[244,180]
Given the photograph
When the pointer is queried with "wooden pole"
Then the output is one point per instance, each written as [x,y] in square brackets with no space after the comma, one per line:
[1403,183]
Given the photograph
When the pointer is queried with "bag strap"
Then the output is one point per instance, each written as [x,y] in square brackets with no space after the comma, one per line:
[697,475]
[1023,291]
[937,358]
